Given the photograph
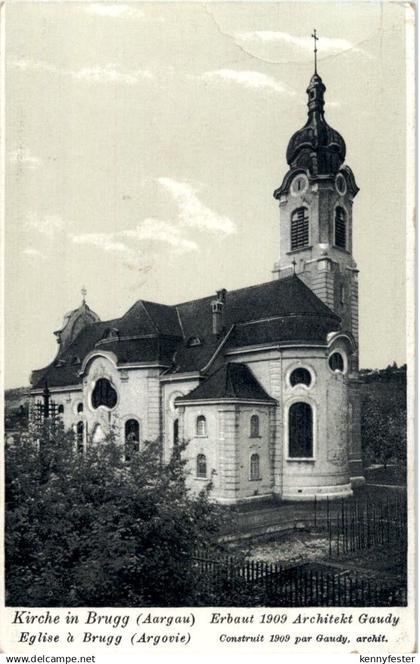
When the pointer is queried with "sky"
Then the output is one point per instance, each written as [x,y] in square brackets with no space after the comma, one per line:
[144,142]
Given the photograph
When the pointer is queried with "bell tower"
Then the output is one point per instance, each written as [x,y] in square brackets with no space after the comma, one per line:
[316,224]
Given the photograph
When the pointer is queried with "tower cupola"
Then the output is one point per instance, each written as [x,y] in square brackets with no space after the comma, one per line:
[316,147]
[74,322]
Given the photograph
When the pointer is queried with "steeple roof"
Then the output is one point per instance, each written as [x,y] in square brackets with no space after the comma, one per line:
[316,147]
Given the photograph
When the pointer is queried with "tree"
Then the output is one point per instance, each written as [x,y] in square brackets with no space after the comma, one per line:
[94,530]
[383,427]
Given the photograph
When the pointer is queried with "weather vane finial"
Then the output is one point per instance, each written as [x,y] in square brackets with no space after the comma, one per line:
[315,38]
[84,293]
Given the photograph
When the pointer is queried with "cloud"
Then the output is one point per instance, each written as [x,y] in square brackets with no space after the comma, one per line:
[109,73]
[192,212]
[48,225]
[249,79]
[149,230]
[129,244]
[162,231]
[34,65]
[105,241]
[33,253]
[326,45]
[110,10]
[23,157]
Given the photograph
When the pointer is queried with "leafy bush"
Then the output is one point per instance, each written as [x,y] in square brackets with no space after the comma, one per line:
[93,530]
[384,427]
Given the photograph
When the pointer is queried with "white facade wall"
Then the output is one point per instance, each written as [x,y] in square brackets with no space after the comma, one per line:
[144,394]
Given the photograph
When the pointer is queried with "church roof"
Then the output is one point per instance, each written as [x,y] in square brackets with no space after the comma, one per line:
[232,381]
[180,337]
[277,311]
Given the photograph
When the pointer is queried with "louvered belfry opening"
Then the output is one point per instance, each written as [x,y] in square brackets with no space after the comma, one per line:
[300,228]
[340,228]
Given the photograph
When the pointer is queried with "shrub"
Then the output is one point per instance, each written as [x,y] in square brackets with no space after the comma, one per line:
[93,529]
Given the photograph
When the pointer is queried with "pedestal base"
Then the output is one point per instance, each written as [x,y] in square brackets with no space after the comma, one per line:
[321,492]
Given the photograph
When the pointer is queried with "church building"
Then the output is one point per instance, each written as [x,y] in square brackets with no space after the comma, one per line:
[262,381]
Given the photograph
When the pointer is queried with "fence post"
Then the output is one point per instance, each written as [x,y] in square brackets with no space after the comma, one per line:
[338,535]
[329,528]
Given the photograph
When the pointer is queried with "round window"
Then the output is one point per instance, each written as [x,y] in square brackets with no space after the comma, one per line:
[340,184]
[300,376]
[104,394]
[299,184]
[336,362]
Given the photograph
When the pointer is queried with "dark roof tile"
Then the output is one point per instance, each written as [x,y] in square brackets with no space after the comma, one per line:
[231,381]
[279,311]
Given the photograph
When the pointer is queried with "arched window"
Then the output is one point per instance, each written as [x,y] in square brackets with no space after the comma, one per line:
[98,435]
[340,228]
[132,438]
[201,465]
[176,431]
[336,362]
[300,376]
[342,294]
[104,394]
[80,407]
[254,426]
[79,436]
[300,431]
[299,229]
[201,426]
[60,409]
[254,467]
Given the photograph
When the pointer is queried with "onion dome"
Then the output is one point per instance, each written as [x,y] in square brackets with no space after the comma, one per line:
[317,147]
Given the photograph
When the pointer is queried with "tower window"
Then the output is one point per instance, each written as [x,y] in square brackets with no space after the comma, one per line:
[132,438]
[60,409]
[300,376]
[336,362]
[254,426]
[201,465]
[340,228]
[201,426]
[300,431]
[80,407]
[254,467]
[299,231]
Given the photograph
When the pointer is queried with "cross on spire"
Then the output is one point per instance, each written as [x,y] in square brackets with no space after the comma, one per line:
[315,38]
[84,293]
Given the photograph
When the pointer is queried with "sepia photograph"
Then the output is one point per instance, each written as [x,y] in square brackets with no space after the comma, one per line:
[207,304]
